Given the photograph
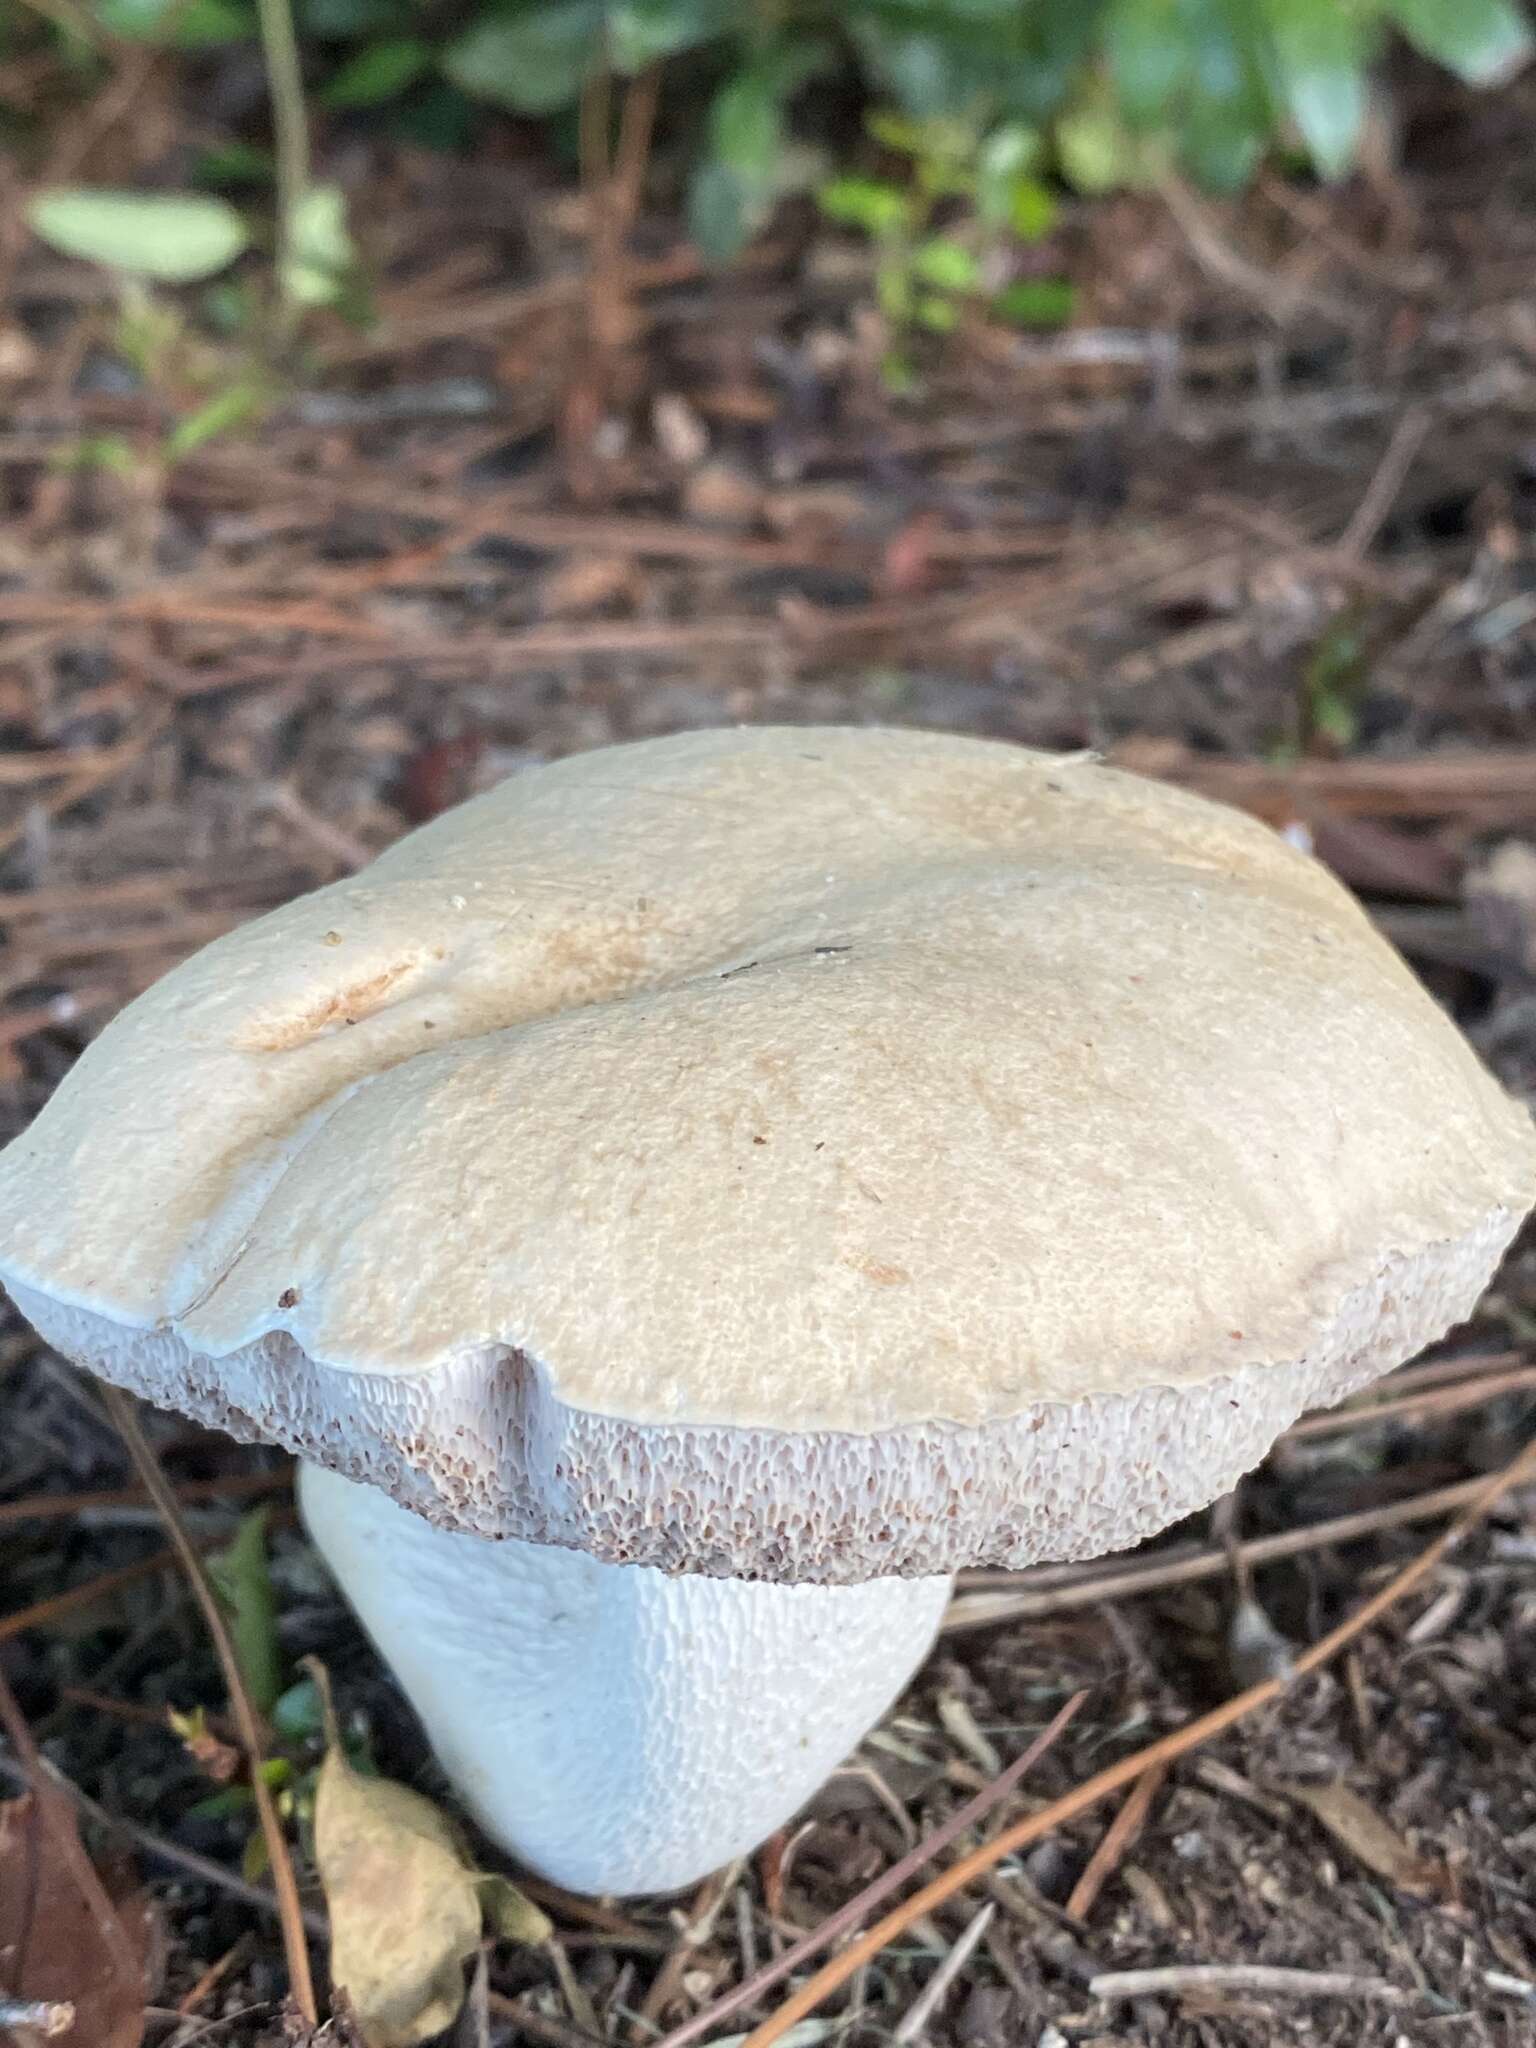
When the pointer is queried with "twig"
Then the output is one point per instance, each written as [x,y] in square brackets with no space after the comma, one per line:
[1437,1401]
[301,1982]
[1375,506]
[858,1907]
[42,1613]
[539,2026]
[1083,1797]
[1118,1837]
[981,1608]
[695,1929]
[213,1976]
[1260,1977]
[48,1507]
[914,2023]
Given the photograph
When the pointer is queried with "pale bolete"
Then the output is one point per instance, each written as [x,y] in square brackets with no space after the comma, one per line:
[752,1174]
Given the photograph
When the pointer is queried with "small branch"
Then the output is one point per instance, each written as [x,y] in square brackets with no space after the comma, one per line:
[1118,1837]
[914,2024]
[994,1601]
[1375,506]
[1259,1977]
[49,1507]
[44,1612]
[833,1975]
[301,1982]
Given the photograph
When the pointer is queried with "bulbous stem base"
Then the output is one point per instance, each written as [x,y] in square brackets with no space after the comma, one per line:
[617,1729]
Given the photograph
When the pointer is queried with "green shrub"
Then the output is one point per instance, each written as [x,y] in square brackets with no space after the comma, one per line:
[1206,84]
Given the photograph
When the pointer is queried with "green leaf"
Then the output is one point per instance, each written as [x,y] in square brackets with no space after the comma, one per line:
[232,407]
[1031,209]
[1334,681]
[223,1805]
[1005,157]
[880,210]
[296,1714]
[641,32]
[719,210]
[944,262]
[233,163]
[897,132]
[346,21]
[171,237]
[1482,41]
[746,125]
[533,61]
[893,290]
[1094,150]
[110,452]
[930,72]
[1320,55]
[379,72]
[318,251]
[199,25]
[244,1585]
[1036,302]
[1147,46]
[1220,145]
[938,315]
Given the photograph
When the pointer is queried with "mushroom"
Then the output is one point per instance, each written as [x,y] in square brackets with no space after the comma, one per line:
[685,1203]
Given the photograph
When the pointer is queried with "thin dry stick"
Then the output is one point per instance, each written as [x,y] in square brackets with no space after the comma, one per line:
[1259,1977]
[1118,1837]
[44,1612]
[48,1507]
[1375,506]
[1436,1401]
[933,1993]
[849,1916]
[1191,1736]
[994,1601]
[301,1982]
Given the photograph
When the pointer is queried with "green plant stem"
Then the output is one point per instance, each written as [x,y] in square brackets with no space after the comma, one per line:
[290,132]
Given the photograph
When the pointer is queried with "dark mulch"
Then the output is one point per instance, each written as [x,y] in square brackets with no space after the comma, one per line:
[1262,522]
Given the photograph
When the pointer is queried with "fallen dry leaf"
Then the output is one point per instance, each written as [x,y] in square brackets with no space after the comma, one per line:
[1358,1827]
[407,1907]
[54,1947]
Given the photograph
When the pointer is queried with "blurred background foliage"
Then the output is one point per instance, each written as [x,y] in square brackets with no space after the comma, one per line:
[758,101]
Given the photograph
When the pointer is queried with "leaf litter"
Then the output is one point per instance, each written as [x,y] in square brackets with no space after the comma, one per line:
[54,1948]
[408,1908]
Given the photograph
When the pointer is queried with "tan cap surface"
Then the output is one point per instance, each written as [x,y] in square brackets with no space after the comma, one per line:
[810,1081]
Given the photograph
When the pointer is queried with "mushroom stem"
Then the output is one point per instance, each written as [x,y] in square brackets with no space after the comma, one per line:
[616,1728]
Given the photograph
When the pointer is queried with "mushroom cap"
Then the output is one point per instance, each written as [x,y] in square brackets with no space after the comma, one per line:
[801,1153]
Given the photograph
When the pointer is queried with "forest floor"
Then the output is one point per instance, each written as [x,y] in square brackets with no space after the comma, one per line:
[1263,520]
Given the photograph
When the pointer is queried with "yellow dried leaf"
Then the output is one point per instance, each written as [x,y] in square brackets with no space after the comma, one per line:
[1357,1827]
[406,1906]
[405,1911]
